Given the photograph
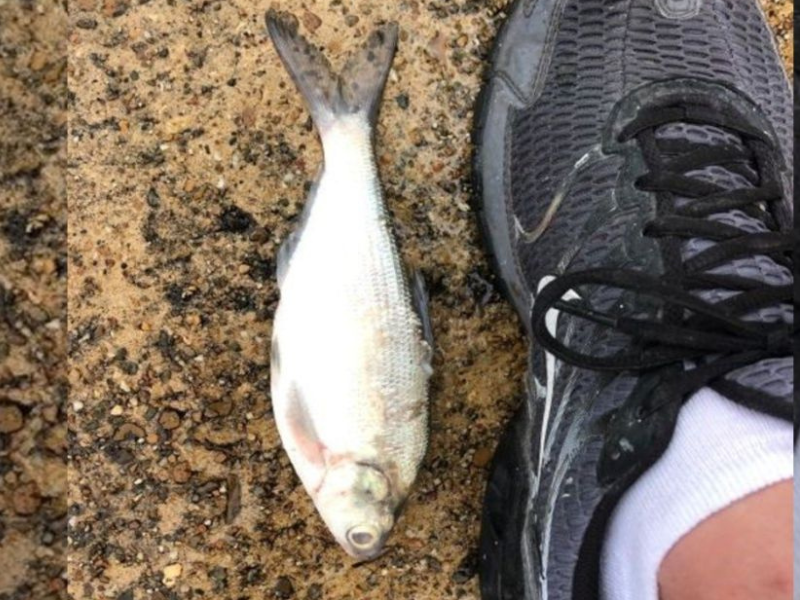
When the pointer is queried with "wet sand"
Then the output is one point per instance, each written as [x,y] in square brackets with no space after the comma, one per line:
[189,159]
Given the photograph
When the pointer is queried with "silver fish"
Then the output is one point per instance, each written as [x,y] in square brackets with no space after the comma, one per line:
[351,345]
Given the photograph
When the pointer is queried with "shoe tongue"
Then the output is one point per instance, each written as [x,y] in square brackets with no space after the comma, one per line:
[757,267]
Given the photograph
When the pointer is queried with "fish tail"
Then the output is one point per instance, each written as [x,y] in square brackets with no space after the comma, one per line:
[357,90]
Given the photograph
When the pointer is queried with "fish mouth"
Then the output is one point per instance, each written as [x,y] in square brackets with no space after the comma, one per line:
[365,543]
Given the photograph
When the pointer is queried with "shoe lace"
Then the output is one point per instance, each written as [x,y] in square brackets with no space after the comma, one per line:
[716,337]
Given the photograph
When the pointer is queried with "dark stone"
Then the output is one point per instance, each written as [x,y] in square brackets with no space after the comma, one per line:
[241,300]
[235,220]
[261,269]
[118,454]
[153,199]
[179,296]
[219,575]
[283,587]
[129,367]
[467,568]
[20,228]
[152,157]
[252,575]
[86,23]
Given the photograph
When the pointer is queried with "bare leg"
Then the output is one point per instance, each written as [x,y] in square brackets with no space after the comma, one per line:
[744,552]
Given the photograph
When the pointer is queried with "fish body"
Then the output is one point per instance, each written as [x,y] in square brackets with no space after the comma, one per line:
[350,362]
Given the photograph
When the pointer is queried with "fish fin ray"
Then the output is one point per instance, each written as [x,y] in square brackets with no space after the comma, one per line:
[303,432]
[364,75]
[421,303]
[306,64]
[328,95]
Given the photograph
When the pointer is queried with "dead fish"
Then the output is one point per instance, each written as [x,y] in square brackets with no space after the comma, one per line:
[351,346]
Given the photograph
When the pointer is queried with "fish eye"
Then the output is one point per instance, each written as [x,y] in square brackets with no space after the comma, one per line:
[362,536]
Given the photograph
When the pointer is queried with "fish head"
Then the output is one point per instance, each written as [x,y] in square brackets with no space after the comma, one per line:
[356,502]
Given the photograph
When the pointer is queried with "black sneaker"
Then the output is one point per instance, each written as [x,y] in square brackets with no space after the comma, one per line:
[634,177]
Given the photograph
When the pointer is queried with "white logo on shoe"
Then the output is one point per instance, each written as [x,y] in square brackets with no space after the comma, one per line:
[551,322]
[679,9]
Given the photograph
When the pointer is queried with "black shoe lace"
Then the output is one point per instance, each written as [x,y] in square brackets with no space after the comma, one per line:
[715,337]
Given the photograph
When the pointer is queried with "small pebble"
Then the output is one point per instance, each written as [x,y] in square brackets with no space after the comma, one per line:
[171,574]
[482,457]
[283,587]
[11,419]
[26,499]
[181,473]
[86,23]
[169,420]
[311,21]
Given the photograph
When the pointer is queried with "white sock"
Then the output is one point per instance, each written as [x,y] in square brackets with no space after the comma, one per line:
[720,452]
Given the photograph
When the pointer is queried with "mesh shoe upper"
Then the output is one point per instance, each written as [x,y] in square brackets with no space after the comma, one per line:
[601,51]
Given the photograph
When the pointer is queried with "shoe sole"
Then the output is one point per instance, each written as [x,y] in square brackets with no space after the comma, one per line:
[510,83]
[517,58]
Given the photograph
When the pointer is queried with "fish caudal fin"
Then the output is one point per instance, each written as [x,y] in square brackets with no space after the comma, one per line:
[364,75]
[329,96]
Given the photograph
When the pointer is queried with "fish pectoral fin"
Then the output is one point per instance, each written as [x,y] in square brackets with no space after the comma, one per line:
[419,298]
[302,431]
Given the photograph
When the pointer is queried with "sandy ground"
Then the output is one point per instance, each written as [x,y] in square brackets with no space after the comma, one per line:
[189,157]
[33,223]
